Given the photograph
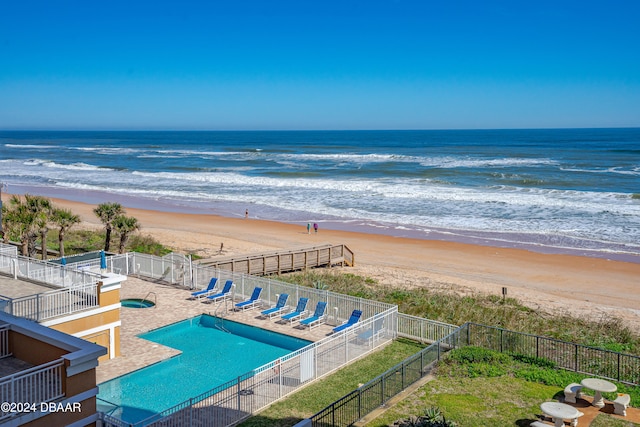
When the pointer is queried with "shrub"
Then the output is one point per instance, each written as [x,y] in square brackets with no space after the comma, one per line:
[433,417]
[472,354]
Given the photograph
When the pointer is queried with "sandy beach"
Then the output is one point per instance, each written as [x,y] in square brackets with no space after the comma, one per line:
[581,286]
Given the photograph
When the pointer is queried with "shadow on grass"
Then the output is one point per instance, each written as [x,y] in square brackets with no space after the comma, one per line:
[525,422]
[262,421]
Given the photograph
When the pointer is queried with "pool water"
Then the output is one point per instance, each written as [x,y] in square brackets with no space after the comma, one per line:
[210,357]
[137,303]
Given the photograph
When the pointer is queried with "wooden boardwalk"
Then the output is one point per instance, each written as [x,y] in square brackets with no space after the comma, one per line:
[283,261]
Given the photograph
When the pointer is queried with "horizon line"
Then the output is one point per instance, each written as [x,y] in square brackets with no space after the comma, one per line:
[313,130]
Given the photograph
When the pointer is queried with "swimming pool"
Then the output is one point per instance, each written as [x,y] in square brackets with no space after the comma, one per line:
[137,303]
[210,357]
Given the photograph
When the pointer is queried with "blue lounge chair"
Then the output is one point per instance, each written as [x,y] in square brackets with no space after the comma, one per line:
[204,292]
[253,300]
[374,332]
[300,310]
[355,316]
[223,294]
[318,317]
[280,306]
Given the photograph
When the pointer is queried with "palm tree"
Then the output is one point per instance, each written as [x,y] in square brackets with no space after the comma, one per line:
[19,222]
[42,209]
[108,212]
[125,225]
[3,225]
[64,219]
[27,219]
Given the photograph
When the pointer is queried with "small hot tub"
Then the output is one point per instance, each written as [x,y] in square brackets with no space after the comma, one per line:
[137,303]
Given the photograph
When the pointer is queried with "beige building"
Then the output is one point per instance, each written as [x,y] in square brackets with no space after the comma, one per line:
[47,378]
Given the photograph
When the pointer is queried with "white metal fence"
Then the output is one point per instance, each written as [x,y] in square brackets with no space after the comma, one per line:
[4,341]
[53,274]
[8,249]
[423,330]
[47,305]
[34,386]
[236,400]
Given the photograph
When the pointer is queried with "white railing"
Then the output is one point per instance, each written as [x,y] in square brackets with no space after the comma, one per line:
[54,303]
[423,330]
[33,386]
[45,272]
[236,400]
[4,341]
[8,249]
[179,270]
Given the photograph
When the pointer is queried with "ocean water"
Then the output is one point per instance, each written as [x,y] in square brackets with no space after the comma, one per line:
[561,190]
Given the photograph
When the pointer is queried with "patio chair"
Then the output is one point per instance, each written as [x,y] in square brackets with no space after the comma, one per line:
[252,302]
[621,404]
[572,392]
[300,310]
[281,305]
[208,290]
[355,317]
[318,316]
[223,294]
[373,332]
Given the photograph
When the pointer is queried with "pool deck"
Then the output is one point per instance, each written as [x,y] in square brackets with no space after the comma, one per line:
[174,304]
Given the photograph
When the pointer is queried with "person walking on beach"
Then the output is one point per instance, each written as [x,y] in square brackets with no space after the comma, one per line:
[308,228]
[246,213]
[315,227]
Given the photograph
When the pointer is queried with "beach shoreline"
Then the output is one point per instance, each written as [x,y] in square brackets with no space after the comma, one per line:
[534,243]
[595,288]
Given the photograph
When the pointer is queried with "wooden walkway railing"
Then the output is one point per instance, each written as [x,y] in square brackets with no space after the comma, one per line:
[325,255]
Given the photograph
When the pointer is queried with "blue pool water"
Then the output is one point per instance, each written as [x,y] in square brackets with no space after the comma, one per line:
[210,357]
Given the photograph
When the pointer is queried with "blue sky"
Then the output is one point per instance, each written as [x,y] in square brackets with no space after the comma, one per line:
[304,64]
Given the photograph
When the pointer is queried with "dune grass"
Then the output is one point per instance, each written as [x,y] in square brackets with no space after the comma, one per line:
[607,332]
[81,241]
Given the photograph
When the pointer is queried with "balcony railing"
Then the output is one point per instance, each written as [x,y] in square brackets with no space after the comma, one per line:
[52,304]
[28,389]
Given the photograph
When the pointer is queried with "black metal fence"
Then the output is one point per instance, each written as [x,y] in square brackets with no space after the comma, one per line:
[350,408]
[624,368]
[621,367]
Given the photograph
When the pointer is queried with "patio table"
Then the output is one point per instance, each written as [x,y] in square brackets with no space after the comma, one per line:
[560,412]
[598,385]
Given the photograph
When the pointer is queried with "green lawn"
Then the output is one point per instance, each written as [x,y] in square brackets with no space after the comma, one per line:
[603,420]
[479,388]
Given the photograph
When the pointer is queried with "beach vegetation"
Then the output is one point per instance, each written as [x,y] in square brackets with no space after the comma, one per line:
[42,209]
[124,226]
[63,219]
[432,417]
[27,219]
[107,213]
[439,301]
[146,244]
[82,240]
